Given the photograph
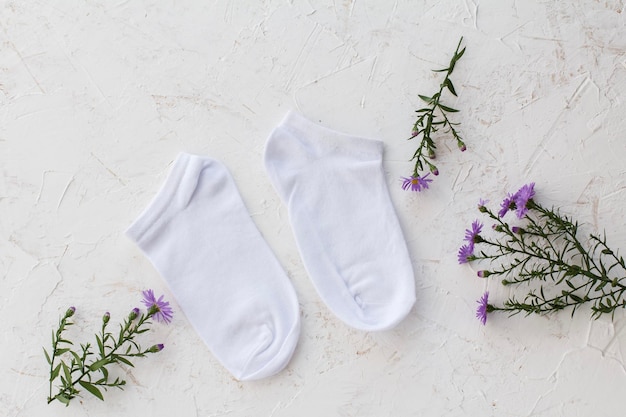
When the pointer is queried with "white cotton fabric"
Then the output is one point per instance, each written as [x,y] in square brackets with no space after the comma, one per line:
[200,238]
[343,220]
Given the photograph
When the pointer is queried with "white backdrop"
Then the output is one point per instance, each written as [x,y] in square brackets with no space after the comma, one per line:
[97,98]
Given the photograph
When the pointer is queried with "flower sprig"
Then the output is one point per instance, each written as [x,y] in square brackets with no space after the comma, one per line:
[543,250]
[430,119]
[87,369]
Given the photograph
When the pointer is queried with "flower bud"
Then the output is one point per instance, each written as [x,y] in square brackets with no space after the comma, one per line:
[431,153]
[70,311]
[414,133]
[156,348]
[483,274]
[462,146]
[106,317]
[434,170]
[518,230]
[133,314]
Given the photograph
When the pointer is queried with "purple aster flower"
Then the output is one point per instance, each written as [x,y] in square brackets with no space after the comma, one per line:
[521,197]
[134,313]
[160,309]
[466,253]
[416,183]
[481,310]
[156,348]
[471,236]
[507,204]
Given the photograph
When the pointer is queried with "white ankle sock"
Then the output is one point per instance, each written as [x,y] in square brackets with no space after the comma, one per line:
[200,238]
[345,226]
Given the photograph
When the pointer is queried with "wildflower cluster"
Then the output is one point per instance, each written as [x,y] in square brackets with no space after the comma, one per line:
[430,119]
[87,369]
[542,249]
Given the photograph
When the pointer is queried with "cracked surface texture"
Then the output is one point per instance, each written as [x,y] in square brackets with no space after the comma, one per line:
[97,99]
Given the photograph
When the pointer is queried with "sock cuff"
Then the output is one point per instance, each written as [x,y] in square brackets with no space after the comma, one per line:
[185,169]
[300,126]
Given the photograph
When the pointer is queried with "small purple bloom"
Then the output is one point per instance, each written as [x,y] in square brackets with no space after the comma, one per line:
[156,348]
[471,235]
[416,183]
[481,311]
[160,309]
[522,196]
[134,313]
[507,204]
[466,253]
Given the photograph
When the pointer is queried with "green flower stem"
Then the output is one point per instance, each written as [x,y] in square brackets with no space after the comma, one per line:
[427,123]
[107,354]
[548,247]
[56,339]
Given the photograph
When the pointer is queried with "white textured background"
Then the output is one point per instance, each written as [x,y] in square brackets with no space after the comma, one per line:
[98,97]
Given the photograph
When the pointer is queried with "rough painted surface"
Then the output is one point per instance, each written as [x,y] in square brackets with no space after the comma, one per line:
[97,98]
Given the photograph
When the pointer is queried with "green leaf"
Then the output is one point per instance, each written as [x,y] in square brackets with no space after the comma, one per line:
[576,298]
[450,86]
[123,360]
[59,352]
[459,55]
[66,371]
[100,345]
[448,109]
[426,98]
[62,398]
[92,389]
[45,352]
[55,372]
[79,361]
[98,364]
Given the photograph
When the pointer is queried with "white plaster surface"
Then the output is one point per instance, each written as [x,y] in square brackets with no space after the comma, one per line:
[98,97]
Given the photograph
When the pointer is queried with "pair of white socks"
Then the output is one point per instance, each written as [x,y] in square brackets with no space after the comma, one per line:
[200,238]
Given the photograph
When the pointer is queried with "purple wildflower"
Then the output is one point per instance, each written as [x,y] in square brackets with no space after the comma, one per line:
[507,204]
[471,236]
[156,348]
[481,310]
[134,313]
[466,253]
[159,308]
[416,183]
[522,196]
